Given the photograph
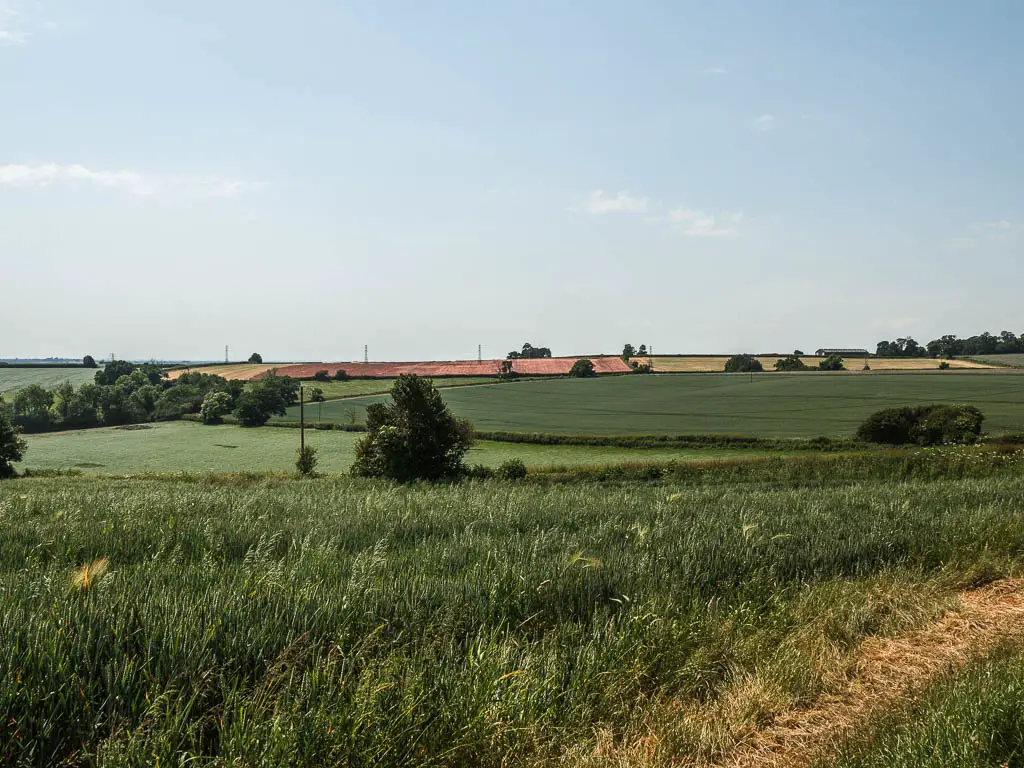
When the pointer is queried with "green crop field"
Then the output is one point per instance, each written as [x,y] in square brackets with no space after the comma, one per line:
[1010,360]
[771,404]
[354,387]
[184,446]
[351,623]
[13,379]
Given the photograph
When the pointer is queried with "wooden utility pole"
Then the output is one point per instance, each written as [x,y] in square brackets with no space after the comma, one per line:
[302,422]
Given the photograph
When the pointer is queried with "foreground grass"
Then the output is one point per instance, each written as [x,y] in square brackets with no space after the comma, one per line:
[972,719]
[338,622]
[185,446]
[768,405]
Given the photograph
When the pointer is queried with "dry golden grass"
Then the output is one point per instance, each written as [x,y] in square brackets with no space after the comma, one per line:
[712,364]
[241,371]
[754,724]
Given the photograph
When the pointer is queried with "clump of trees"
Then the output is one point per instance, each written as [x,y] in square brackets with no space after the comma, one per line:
[88,361]
[255,357]
[414,437]
[262,398]
[321,375]
[12,447]
[529,352]
[629,351]
[127,393]
[341,375]
[743,364]
[950,346]
[832,363]
[937,424]
[582,369]
[790,363]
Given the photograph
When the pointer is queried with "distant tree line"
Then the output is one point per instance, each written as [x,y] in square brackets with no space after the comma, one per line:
[951,346]
[130,393]
[529,352]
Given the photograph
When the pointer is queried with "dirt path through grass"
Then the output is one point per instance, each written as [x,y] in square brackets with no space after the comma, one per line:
[888,671]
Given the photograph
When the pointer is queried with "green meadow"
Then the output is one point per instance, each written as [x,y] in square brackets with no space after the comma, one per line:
[185,446]
[769,404]
[13,379]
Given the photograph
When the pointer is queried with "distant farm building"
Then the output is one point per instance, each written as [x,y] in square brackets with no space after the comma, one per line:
[842,352]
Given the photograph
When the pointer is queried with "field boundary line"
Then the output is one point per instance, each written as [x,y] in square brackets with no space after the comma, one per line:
[888,672]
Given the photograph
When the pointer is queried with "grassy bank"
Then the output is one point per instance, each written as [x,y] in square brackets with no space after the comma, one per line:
[351,623]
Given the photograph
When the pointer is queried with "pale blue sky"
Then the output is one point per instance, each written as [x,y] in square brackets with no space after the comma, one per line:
[303,178]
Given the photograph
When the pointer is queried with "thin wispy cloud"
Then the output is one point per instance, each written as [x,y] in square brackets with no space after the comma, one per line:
[702,224]
[128,181]
[599,203]
[715,71]
[15,22]
[764,123]
[692,221]
[985,233]
[1002,225]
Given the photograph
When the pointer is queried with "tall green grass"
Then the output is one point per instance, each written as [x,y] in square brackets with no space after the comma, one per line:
[334,622]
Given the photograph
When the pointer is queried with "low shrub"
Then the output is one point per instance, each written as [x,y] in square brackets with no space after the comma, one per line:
[743,364]
[936,424]
[513,469]
[479,472]
[321,375]
[341,375]
[307,461]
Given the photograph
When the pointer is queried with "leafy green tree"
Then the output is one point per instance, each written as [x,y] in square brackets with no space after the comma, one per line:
[321,375]
[415,437]
[341,375]
[628,351]
[12,447]
[316,395]
[216,405]
[176,401]
[530,352]
[791,363]
[506,371]
[642,352]
[89,362]
[84,408]
[32,409]
[256,357]
[832,363]
[743,364]
[60,409]
[263,398]
[113,371]
[582,369]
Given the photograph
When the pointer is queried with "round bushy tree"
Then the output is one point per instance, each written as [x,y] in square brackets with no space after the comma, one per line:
[743,364]
[790,363]
[832,363]
[415,437]
[216,405]
[582,369]
[12,447]
[256,357]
